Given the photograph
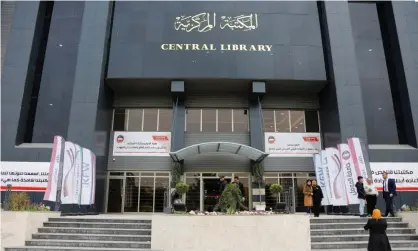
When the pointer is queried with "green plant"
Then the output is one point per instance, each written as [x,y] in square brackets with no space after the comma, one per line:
[230,200]
[18,201]
[181,188]
[176,170]
[258,172]
[276,189]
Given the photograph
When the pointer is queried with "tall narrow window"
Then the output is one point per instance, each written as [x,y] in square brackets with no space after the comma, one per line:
[150,120]
[282,120]
[224,120]
[119,119]
[268,120]
[193,120]
[165,120]
[240,120]
[297,121]
[134,119]
[209,120]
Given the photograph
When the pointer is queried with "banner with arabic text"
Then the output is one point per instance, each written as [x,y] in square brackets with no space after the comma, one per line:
[350,174]
[55,169]
[141,144]
[321,172]
[336,175]
[292,144]
[404,173]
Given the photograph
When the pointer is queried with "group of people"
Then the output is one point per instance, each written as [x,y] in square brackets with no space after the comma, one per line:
[312,197]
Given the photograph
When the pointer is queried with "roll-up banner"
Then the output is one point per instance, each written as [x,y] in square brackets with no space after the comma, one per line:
[360,157]
[72,172]
[350,174]
[320,176]
[336,173]
[327,180]
[55,169]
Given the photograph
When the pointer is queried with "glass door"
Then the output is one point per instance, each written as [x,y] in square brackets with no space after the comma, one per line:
[116,187]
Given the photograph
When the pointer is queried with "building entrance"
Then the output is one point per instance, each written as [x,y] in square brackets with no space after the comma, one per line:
[203,192]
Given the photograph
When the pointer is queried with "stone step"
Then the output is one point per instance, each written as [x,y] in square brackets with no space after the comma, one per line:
[94,237]
[364,237]
[358,231]
[99,220]
[355,225]
[73,249]
[107,231]
[362,249]
[361,245]
[350,220]
[91,244]
[97,225]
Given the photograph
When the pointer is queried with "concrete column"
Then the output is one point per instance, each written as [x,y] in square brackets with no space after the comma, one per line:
[343,76]
[91,105]
[179,113]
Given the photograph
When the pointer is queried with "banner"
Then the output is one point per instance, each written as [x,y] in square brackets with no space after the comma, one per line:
[141,143]
[360,157]
[24,176]
[292,144]
[327,180]
[87,178]
[336,175]
[320,176]
[55,168]
[67,190]
[350,174]
[405,174]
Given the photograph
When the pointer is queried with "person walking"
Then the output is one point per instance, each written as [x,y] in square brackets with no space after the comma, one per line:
[378,240]
[317,196]
[307,196]
[361,195]
[240,186]
[371,195]
[389,192]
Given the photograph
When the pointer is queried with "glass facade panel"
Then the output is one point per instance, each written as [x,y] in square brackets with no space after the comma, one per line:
[208,120]
[268,120]
[193,117]
[193,195]
[224,120]
[131,194]
[119,120]
[282,120]
[150,120]
[297,121]
[134,119]
[146,199]
[241,120]
[161,185]
[165,119]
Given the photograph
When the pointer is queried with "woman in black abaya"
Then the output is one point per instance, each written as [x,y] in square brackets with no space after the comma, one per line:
[378,240]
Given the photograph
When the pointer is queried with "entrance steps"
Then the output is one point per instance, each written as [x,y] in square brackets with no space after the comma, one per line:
[332,233]
[92,234]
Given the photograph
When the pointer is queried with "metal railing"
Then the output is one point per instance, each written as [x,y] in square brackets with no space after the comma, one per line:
[289,199]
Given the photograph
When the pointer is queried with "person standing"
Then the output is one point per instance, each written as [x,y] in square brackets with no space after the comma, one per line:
[371,195]
[221,184]
[317,196]
[361,195]
[389,192]
[307,193]
[241,187]
[378,240]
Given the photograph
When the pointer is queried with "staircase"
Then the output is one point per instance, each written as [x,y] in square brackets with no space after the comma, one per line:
[347,234]
[93,234]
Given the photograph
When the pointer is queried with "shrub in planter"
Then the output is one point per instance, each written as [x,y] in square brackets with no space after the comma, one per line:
[231,200]
[18,201]
[178,204]
[276,189]
[181,188]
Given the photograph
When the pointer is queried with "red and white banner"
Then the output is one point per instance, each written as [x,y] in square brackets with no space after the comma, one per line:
[55,169]
[404,173]
[292,144]
[350,174]
[360,157]
[336,175]
[24,176]
[141,144]
[321,171]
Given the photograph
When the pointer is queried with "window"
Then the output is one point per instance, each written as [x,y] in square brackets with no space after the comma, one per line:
[209,120]
[240,120]
[284,121]
[224,120]
[147,120]
[119,120]
[193,119]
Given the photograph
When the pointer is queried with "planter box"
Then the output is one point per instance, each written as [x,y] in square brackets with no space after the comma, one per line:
[231,233]
[411,218]
[17,227]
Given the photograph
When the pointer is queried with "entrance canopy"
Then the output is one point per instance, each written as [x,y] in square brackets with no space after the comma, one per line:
[219,147]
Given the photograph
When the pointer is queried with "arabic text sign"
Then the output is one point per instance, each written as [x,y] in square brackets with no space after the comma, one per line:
[204,22]
[141,143]
[292,144]
[24,176]
[405,174]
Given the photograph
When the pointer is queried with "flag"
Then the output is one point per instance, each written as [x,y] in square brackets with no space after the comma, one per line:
[350,174]
[87,177]
[55,169]
[320,176]
[336,175]
[360,157]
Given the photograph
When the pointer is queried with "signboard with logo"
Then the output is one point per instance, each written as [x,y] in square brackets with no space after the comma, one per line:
[142,144]
[24,176]
[405,174]
[292,144]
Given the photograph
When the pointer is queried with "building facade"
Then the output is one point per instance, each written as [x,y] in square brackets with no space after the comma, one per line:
[218,82]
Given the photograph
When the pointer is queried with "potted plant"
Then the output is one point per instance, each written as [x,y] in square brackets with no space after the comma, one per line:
[231,200]
[178,203]
[276,189]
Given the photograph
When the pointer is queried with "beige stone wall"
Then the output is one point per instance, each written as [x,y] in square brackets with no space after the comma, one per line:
[17,227]
[411,218]
[231,233]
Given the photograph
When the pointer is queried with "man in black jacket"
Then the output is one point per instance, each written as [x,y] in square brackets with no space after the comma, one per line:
[222,183]
[241,186]
[361,195]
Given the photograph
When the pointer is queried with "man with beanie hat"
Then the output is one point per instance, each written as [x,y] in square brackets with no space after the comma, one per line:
[361,195]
